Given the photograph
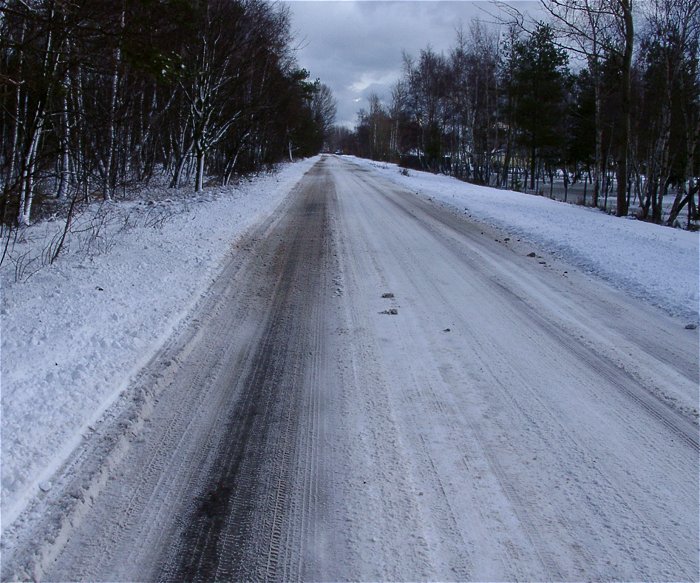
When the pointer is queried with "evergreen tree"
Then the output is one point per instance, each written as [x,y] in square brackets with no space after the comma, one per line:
[540,81]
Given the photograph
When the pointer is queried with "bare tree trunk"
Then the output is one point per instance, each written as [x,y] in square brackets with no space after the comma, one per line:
[64,140]
[625,126]
[27,182]
[507,156]
[199,177]
[692,205]
[81,172]
[111,129]
[177,175]
[15,133]
[598,164]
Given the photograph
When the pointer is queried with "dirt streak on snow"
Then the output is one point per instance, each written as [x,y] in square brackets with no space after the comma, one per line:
[77,331]
[653,263]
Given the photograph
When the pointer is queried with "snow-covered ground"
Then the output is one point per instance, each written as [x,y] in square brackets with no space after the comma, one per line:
[75,332]
[456,403]
[652,263]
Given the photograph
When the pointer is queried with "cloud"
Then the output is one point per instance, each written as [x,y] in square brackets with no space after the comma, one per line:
[355,47]
[372,78]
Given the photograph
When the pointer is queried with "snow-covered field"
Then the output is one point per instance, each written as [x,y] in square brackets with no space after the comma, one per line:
[652,263]
[75,332]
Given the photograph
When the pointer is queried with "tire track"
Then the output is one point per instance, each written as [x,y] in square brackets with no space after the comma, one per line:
[245,525]
[419,389]
[679,423]
[508,410]
[123,506]
[75,500]
[612,375]
[673,419]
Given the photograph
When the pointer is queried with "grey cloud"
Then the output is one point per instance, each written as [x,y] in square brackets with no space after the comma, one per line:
[356,47]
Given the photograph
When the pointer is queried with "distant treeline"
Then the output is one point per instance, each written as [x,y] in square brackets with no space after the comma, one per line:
[505,108]
[97,95]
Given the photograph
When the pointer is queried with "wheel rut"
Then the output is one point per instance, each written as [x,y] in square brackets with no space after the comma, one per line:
[239,527]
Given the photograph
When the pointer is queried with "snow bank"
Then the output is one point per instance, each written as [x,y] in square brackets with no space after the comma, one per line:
[652,263]
[75,332]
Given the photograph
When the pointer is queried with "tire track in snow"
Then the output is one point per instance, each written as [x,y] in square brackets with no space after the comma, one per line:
[379,532]
[612,375]
[419,389]
[392,450]
[159,454]
[246,526]
[90,472]
[678,423]
[591,483]
[683,426]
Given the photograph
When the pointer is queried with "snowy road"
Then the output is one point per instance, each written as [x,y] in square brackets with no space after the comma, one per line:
[513,419]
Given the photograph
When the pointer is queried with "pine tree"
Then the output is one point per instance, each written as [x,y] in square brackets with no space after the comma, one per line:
[539,84]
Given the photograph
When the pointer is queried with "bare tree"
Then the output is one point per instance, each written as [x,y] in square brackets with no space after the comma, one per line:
[670,70]
[97,95]
[324,108]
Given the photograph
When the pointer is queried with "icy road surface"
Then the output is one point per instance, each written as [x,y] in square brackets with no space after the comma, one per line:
[379,389]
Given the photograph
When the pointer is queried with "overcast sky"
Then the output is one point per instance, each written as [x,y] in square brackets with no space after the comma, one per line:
[355,46]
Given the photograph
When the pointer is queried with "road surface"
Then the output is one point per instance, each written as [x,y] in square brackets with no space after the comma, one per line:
[378,389]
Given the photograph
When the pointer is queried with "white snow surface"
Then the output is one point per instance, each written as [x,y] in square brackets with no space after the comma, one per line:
[653,263]
[75,332]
